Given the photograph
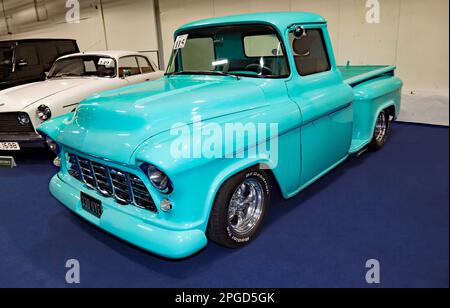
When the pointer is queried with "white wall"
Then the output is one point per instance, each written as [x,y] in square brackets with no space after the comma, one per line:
[129,25]
[413,34]
[89,32]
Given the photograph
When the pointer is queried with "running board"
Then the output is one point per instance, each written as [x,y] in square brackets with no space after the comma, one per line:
[360,152]
[358,145]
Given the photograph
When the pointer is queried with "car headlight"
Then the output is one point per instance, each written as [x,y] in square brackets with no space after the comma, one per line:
[23,118]
[159,179]
[44,113]
[52,145]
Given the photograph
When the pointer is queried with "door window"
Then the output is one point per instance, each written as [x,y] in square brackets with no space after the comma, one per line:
[27,54]
[66,48]
[310,53]
[145,65]
[48,53]
[128,66]
[6,55]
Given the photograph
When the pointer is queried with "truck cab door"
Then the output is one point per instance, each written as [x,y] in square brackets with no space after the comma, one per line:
[324,100]
[28,67]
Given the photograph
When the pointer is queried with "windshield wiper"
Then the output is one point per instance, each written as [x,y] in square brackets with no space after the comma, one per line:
[65,75]
[217,73]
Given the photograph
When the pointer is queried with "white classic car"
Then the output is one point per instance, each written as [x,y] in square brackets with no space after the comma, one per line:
[71,79]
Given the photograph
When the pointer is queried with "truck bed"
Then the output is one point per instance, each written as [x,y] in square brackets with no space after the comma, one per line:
[354,75]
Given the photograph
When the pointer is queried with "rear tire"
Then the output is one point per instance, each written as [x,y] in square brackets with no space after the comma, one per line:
[382,131]
[239,209]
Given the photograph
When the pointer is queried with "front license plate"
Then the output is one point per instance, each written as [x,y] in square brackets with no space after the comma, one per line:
[9,146]
[91,205]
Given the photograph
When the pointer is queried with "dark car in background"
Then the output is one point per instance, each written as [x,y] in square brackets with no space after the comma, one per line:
[24,61]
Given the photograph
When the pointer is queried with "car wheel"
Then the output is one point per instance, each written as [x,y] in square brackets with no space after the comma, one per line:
[239,209]
[382,130]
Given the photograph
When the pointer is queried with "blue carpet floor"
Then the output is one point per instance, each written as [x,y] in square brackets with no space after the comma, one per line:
[391,205]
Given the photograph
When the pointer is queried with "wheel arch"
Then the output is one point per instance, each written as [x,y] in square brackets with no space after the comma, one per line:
[392,111]
[236,169]
[390,106]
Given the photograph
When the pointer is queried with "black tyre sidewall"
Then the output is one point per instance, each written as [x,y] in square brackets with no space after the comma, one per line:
[222,233]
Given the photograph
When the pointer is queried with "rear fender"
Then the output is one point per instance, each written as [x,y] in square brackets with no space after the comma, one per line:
[371,98]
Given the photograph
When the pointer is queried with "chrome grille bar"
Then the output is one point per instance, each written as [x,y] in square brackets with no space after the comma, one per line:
[87,174]
[94,178]
[9,124]
[130,189]
[124,187]
[108,175]
[79,168]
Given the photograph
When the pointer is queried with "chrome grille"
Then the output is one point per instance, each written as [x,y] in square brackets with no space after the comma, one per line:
[9,124]
[124,187]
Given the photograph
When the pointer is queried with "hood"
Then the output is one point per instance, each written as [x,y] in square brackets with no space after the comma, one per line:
[113,124]
[19,98]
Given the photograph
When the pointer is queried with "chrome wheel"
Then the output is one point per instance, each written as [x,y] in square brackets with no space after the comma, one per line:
[246,207]
[381,127]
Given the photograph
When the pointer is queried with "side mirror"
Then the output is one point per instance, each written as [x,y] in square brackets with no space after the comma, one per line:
[299,32]
[22,63]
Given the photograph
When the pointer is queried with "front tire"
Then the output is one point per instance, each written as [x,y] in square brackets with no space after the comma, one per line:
[239,209]
[382,131]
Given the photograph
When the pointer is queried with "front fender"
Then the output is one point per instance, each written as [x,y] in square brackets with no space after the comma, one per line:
[196,181]
[53,127]
[195,189]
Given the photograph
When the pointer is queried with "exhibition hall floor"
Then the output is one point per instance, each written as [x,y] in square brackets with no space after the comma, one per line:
[392,206]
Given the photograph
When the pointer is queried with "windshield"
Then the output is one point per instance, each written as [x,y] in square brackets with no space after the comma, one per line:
[6,55]
[81,66]
[245,50]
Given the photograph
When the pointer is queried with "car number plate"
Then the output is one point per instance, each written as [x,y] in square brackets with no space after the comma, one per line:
[9,146]
[91,205]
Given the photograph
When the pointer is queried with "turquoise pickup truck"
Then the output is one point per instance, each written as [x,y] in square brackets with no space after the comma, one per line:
[156,165]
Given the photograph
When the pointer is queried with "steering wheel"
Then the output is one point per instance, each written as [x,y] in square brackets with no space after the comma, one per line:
[259,69]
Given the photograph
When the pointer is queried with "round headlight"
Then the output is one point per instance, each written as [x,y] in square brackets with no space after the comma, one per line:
[44,113]
[52,145]
[23,119]
[159,180]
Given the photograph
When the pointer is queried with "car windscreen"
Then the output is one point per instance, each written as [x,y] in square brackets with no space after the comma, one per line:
[241,50]
[84,66]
